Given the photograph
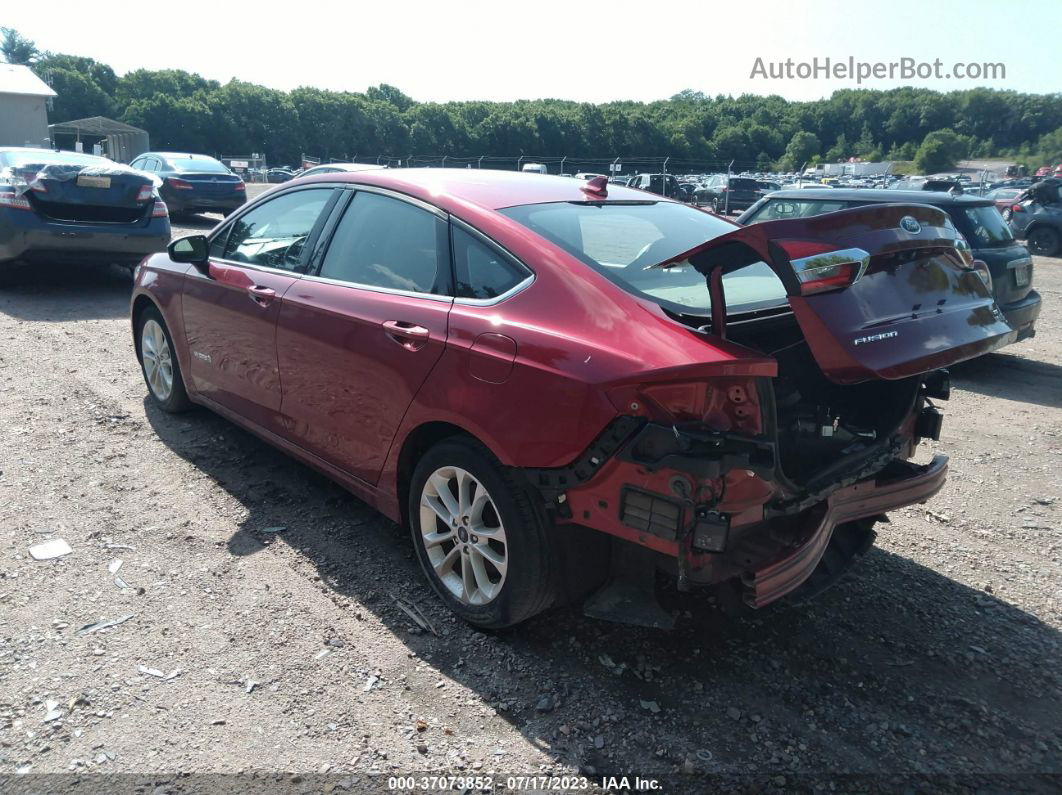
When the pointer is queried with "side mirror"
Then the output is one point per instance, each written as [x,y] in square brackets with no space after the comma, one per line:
[193,249]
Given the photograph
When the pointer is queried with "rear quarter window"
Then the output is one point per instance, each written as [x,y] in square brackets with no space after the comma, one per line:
[482,271]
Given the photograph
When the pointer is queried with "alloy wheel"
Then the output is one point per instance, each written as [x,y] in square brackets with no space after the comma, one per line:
[157,359]
[463,535]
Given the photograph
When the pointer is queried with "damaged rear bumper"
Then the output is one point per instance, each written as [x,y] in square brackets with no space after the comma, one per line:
[861,500]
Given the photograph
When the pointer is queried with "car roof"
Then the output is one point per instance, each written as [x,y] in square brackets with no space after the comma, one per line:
[178,155]
[348,166]
[883,196]
[486,188]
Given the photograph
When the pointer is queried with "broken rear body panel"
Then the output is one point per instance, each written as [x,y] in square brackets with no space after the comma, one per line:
[745,477]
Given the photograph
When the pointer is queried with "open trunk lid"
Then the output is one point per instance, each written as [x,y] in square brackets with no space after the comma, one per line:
[879,292]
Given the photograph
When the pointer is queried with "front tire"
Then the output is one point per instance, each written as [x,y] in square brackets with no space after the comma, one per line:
[158,363]
[481,545]
[1044,241]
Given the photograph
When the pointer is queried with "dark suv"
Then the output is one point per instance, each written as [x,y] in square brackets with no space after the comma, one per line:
[725,195]
[975,217]
[660,184]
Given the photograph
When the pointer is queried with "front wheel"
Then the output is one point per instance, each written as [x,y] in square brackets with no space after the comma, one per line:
[1044,241]
[158,362]
[481,545]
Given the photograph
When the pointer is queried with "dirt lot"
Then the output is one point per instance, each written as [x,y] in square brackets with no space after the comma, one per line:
[937,660]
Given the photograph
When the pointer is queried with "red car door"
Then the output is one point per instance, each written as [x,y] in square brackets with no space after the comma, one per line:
[358,337]
[231,307]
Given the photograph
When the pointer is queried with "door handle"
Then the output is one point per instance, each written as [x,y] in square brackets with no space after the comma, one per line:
[263,296]
[409,335]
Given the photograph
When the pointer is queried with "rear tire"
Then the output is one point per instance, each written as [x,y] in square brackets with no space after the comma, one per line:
[1044,241]
[482,546]
[159,364]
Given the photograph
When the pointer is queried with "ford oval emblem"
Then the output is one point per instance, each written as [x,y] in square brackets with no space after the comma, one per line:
[909,224]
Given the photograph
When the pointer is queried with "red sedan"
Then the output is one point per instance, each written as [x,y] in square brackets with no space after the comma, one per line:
[565,386]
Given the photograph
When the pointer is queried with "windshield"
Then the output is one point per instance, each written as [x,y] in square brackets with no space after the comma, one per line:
[33,157]
[621,240]
[198,164]
[984,227]
[775,209]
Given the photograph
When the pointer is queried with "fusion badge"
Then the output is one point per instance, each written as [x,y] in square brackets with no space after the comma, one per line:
[875,337]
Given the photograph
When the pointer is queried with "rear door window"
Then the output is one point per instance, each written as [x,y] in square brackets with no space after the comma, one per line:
[386,242]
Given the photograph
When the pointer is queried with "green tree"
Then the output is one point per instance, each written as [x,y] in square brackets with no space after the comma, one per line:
[803,146]
[940,151]
[839,150]
[16,48]
[391,95]
[77,96]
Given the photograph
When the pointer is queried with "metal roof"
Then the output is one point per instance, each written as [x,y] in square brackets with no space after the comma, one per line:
[95,125]
[16,79]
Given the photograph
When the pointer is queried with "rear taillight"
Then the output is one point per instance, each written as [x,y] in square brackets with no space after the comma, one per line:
[981,268]
[160,210]
[179,184]
[721,402]
[830,270]
[146,192]
[1017,208]
[10,200]
[965,252]
[239,186]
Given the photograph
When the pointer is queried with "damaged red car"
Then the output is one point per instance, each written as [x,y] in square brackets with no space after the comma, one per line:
[565,387]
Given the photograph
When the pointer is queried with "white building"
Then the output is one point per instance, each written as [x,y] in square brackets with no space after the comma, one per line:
[23,106]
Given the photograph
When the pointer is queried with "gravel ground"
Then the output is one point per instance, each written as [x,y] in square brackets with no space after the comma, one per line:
[247,650]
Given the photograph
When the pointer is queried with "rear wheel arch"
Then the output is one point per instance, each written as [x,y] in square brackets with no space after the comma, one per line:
[418,442]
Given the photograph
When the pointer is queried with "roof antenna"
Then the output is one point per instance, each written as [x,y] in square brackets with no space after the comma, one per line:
[596,186]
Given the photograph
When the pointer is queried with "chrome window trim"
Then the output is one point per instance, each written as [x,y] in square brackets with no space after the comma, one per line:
[405,197]
[254,267]
[372,288]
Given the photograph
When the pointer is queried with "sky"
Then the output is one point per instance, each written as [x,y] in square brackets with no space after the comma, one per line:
[582,50]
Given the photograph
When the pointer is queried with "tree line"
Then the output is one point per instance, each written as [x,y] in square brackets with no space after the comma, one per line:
[184,111]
